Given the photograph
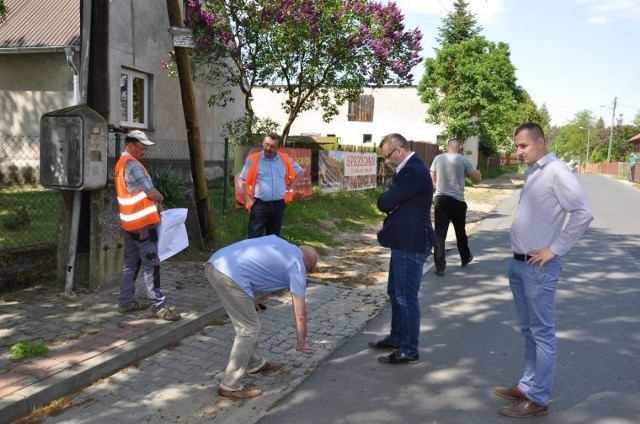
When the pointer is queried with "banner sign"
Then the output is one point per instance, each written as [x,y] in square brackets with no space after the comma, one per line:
[339,170]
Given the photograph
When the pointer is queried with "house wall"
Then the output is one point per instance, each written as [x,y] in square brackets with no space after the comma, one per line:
[139,40]
[395,110]
[31,85]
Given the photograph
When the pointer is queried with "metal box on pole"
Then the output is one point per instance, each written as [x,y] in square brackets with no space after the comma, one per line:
[73,149]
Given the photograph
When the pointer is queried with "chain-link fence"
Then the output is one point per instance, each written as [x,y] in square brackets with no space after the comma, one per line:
[29,213]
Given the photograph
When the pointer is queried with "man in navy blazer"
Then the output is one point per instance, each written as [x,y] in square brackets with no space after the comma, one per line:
[408,232]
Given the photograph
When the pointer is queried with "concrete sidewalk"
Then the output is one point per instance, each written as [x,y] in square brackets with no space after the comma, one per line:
[87,338]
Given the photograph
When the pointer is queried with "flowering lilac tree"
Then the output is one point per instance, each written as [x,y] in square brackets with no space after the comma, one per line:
[320,53]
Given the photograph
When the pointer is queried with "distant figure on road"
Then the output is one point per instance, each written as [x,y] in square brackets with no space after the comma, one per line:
[408,232]
[539,238]
[237,272]
[633,161]
[268,179]
[448,172]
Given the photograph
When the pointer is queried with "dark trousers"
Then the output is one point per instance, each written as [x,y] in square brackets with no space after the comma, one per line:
[449,210]
[141,251]
[265,218]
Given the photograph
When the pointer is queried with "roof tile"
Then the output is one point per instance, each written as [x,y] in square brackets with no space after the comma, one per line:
[41,23]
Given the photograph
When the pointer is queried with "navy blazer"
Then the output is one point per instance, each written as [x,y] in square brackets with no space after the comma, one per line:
[407,204]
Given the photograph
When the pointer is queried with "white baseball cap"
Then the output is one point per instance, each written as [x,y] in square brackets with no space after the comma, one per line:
[140,136]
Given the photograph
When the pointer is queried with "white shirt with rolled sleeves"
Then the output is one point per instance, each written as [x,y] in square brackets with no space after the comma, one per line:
[550,193]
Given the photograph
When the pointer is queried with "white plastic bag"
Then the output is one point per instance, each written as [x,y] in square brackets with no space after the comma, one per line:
[172,233]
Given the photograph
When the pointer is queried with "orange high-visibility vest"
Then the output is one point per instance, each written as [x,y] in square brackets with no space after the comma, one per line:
[137,210]
[252,174]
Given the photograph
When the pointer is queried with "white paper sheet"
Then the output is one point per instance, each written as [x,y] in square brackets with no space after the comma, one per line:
[172,233]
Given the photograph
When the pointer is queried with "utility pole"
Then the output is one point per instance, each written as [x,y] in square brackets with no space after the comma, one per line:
[613,117]
[193,127]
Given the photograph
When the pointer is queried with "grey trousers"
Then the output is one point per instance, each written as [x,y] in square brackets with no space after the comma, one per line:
[245,353]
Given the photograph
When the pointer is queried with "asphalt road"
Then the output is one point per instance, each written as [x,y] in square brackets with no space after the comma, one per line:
[469,340]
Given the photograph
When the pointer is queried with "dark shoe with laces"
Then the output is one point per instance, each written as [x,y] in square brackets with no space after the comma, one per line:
[398,358]
[382,345]
[524,408]
[131,307]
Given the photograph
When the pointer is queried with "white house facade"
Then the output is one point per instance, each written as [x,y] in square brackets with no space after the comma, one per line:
[379,112]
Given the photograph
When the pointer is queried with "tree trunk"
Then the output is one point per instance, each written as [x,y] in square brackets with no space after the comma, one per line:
[286,130]
[203,206]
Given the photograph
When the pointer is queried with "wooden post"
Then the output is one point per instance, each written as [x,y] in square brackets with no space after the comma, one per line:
[193,127]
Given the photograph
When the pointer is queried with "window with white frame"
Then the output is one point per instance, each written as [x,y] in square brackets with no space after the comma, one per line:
[134,99]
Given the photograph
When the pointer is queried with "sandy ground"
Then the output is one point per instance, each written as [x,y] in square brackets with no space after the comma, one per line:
[360,260]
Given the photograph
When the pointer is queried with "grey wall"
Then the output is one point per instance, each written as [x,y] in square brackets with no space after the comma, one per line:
[31,85]
[139,40]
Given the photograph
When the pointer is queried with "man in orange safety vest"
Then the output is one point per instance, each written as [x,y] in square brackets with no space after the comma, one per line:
[139,203]
[268,178]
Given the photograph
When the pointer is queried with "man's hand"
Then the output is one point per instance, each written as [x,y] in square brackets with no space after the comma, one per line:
[541,256]
[248,202]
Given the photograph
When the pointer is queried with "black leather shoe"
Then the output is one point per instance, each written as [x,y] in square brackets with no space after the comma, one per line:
[467,262]
[398,358]
[440,272]
[382,345]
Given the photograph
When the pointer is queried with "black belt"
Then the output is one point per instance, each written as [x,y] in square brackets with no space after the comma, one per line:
[269,201]
[521,257]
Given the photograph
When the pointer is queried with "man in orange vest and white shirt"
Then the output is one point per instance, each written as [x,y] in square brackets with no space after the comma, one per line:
[268,178]
[139,204]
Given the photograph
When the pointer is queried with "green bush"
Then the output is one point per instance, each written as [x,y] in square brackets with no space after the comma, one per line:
[166,182]
[22,350]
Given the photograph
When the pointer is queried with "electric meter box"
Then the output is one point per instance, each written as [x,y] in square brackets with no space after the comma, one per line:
[73,149]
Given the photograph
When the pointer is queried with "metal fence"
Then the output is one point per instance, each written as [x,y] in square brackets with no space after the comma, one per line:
[29,212]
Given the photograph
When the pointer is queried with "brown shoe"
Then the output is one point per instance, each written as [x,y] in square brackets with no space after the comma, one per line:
[239,394]
[523,409]
[511,393]
[265,369]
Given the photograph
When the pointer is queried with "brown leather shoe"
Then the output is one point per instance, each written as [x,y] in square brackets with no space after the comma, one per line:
[523,409]
[511,393]
[266,368]
[239,394]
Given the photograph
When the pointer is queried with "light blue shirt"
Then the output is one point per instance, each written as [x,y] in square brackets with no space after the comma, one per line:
[634,160]
[270,181]
[551,192]
[263,265]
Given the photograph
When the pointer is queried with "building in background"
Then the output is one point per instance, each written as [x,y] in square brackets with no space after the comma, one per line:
[40,53]
[378,112]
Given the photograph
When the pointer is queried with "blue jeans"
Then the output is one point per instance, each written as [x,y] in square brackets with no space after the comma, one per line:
[141,251]
[266,218]
[534,293]
[405,276]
